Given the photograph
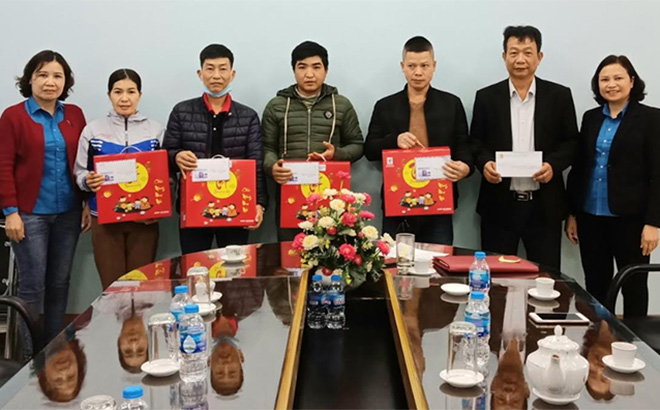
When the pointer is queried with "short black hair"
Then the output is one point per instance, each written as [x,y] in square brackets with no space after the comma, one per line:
[36,62]
[216,51]
[636,94]
[124,74]
[308,49]
[417,44]
[522,33]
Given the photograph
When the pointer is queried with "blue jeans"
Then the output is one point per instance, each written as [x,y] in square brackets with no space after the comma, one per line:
[426,228]
[44,260]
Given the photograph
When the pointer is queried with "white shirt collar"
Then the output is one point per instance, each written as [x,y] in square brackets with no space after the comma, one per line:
[532,89]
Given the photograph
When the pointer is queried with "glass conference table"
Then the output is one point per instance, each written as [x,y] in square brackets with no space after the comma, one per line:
[261,355]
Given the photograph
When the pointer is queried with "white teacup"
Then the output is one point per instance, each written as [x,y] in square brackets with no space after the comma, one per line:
[234,251]
[422,264]
[544,286]
[623,354]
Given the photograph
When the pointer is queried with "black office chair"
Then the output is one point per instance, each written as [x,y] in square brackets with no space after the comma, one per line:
[647,328]
[9,367]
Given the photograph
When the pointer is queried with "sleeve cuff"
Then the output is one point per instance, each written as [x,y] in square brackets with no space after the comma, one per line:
[9,210]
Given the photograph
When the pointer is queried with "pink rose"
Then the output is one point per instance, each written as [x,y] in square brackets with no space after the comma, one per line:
[358,260]
[383,247]
[343,175]
[298,241]
[366,215]
[348,219]
[347,251]
[360,235]
[313,199]
[367,201]
[332,230]
[348,198]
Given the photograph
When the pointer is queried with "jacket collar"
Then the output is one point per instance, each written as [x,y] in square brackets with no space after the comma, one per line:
[290,91]
[137,117]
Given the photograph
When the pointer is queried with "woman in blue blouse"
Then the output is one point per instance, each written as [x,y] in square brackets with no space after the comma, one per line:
[614,185]
[38,194]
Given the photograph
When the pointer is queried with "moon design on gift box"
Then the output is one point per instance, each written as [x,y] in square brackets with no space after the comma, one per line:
[107,194]
[141,181]
[134,275]
[308,189]
[223,189]
[409,175]
[217,271]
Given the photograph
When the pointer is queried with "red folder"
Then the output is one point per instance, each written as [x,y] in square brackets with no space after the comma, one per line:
[497,264]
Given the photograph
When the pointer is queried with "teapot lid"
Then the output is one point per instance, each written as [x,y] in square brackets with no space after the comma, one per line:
[558,342]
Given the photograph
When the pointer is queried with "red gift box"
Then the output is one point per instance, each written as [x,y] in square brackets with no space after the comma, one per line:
[496,263]
[293,201]
[216,204]
[148,197]
[404,194]
[152,277]
[218,268]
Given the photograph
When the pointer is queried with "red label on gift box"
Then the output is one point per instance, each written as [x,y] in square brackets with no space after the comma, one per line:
[147,197]
[219,267]
[405,194]
[293,202]
[216,204]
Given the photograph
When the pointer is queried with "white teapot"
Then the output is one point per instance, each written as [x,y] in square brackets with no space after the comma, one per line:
[556,370]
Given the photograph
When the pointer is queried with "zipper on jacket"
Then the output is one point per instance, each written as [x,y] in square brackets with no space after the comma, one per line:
[309,128]
[126,131]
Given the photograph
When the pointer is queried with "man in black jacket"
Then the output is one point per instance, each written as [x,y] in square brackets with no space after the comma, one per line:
[524,113]
[210,125]
[421,116]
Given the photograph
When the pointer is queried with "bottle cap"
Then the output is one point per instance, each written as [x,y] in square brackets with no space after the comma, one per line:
[480,255]
[317,278]
[335,278]
[180,289]
[132,392]
[191,309]
[477,295]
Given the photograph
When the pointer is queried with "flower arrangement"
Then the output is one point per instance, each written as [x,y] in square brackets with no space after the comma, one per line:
[337,239]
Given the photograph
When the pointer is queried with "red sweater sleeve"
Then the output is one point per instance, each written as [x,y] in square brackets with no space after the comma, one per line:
[8,196]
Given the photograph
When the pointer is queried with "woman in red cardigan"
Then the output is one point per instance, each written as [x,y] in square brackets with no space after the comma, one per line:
[38,194]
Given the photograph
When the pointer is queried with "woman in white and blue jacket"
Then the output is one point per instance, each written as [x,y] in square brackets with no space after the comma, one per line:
[118,247]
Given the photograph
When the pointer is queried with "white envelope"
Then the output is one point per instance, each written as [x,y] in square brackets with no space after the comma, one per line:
[303,172]
[427,168]
[211,169]
[117,172]
[518,163]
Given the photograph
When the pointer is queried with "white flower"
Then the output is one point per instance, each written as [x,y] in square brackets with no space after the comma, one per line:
[367,245]
[347,191]
[338,205]
[370,232]
[387,238]
[310,242]
[368,266]
[312,262]
[337,272]
[329,192]
[306,226]
[352,232]
[326,222]
[360,198]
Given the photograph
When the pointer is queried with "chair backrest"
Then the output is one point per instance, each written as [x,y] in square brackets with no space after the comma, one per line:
[28,317]
[620,278]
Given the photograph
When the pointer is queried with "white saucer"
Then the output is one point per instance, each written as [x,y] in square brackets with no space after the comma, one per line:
[455,289]
[214,297]
[638,365]
[462,378]
[429,272]
[230,259]
[160,367]
[533,293]
[454,299]
[206,308]
[557,401]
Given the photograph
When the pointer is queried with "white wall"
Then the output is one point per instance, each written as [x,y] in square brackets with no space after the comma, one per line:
[162,40]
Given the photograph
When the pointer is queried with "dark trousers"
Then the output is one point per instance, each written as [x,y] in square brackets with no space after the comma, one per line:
[427,228]
[542,239]
[604,239]
[201,239]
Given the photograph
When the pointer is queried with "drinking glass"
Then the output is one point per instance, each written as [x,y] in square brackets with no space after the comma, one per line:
[462,349]
[163,331]
[405,249]
[199,284]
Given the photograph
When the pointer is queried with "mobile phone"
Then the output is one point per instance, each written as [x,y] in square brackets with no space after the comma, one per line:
[573,318]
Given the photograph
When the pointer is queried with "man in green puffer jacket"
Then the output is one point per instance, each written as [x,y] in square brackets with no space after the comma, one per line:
[309,119]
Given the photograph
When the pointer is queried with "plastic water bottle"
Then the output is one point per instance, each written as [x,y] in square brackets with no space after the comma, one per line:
[336,315]
[315,304]
[133,399]
[479,276]
[192,334]
[478,314]
[193,395]
[179,301]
